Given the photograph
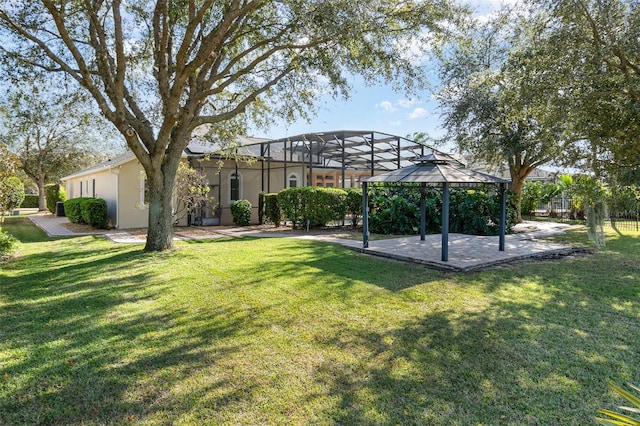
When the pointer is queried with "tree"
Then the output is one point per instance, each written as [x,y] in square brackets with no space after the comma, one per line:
[53,132]
[191,189]
[159,70]
[503,102]
[597,41]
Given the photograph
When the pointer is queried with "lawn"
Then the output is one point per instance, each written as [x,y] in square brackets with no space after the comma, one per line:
[286,331]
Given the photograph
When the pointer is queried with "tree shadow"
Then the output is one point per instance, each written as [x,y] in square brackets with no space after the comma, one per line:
[543,358]
[84,339]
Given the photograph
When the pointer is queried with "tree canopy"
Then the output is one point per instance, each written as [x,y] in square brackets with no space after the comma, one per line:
[503,100]
[53,131]
[160,69]
[598,47]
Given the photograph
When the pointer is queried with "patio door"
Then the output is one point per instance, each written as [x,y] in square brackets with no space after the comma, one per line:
[209,214]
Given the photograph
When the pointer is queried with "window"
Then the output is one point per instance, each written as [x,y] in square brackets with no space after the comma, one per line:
[93,187]
[144,191]
[80,189]
[293,180]
[235,186]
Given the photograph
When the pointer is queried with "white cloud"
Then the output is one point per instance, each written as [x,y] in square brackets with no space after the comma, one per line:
[395,123]
[387,106]
[418,113]
[407,103]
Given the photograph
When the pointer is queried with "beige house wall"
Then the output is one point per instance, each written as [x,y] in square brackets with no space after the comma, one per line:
[132,211]
[105,187]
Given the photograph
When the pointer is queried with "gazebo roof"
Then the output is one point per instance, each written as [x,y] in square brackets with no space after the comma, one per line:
[436,169]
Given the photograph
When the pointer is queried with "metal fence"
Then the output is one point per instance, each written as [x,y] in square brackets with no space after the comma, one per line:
[564,209]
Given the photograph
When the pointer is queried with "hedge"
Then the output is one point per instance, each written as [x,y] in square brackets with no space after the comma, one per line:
[90,211]
[54,193]
[31,201]
[353,204]
[313,206]
[396,210]
[241,212]
[272,211]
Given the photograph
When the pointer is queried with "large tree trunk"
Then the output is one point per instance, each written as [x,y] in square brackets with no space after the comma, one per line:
[42,202]
[160,184]
[516,186]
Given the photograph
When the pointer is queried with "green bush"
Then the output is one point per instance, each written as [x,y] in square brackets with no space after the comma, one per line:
[89,211]
[8,243]
[396,210]
[73,210]
[272,209]
[312,205]
[241,212]
[31,201]
[11,194]
[531,196]
[54,193]
[94,212]
[353,204]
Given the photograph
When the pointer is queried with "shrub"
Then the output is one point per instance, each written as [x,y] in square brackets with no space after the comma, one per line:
[89,211]
[54,193]
[73,210]
[241,212]
[396,210]
[11,193]
[531,196]
[8,243]
[94,212]
[353,204]
[272,209]
[316,206]
[31,201]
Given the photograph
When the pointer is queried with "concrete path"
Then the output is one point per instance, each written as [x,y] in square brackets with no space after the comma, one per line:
[466,252]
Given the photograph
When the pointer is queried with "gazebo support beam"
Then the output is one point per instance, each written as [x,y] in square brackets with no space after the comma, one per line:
[423,210]
[365,215]
[503,215]
[445,222]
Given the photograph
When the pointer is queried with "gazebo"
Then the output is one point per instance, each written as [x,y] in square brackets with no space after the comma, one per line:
[436,170]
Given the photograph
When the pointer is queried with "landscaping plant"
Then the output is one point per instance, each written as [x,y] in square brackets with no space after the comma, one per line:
[617,419]
[241,212]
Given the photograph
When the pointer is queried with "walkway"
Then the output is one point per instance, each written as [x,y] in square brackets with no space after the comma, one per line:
[466,252]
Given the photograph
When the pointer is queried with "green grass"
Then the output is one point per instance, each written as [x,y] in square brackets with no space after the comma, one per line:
[284,331]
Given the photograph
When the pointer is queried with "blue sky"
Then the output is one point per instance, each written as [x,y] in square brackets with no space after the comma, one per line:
[377,107]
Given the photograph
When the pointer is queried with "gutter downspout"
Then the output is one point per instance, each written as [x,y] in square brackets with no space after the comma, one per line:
[117,174]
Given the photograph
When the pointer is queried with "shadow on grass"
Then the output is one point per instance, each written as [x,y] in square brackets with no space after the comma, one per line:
[96,333]
[82,331]
[539,352]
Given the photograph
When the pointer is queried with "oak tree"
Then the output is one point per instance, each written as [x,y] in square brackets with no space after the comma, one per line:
[160,69]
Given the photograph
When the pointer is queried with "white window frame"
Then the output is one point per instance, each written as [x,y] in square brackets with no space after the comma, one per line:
[143,184]
[296,176]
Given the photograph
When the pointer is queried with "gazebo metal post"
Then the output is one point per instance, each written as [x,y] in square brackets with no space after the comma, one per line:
[365,215]
[445,222]
[503,215]
[423,210]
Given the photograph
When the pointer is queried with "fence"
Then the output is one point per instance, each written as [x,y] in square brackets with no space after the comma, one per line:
[564,209]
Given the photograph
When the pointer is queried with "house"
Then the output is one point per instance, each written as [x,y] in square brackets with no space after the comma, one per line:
[331,159]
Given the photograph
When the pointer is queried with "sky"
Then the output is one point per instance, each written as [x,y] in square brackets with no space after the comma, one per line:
[377,107]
